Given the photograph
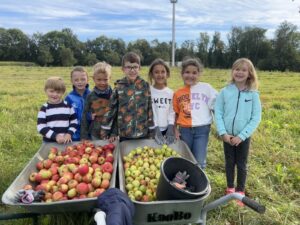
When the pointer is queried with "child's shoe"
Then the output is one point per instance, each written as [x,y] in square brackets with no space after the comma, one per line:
[230,191]
[238,202]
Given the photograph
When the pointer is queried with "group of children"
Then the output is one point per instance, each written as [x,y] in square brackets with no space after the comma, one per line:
[136,109]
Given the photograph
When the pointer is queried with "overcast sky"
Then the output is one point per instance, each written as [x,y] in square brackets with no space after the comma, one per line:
[136,19]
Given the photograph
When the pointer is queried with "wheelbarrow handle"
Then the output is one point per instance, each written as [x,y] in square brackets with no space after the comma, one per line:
[254,205]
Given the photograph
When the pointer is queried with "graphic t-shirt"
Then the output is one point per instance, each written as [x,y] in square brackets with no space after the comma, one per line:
[194,104]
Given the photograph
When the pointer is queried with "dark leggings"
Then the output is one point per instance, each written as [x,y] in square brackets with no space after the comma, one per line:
[236,155]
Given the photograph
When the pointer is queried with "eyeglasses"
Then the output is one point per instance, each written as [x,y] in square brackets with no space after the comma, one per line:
[131,67]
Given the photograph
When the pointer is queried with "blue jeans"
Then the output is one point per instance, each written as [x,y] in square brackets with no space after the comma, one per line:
[197,139]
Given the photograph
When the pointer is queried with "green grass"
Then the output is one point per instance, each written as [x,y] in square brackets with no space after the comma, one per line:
[274,163]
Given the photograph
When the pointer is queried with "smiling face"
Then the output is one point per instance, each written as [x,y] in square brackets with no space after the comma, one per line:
[240,74]
[159,75]
[190,75]
[101,81]
[54,96]
[79,80]
[131,70]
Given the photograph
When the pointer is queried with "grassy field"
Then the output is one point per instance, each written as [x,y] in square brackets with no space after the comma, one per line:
[274,164]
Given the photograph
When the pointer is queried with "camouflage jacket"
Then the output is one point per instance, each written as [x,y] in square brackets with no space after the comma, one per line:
[96,103]
[131,104]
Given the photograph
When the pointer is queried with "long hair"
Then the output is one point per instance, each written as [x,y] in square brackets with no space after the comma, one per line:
[252,80]
[155,63]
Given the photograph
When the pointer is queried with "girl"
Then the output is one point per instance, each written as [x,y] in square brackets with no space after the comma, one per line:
[193,105]
[238,113]
[162,98]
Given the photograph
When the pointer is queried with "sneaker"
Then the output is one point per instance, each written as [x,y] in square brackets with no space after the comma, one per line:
[230,191]
[238,202]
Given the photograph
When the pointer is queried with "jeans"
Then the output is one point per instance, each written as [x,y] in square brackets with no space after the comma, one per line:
[197,139]
[236,156]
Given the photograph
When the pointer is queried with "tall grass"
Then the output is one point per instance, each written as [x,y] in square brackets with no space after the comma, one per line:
[274,163]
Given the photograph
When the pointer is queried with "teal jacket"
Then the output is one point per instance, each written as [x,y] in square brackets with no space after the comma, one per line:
[237,113]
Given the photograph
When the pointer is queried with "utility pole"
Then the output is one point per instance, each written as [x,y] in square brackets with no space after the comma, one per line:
[173,33]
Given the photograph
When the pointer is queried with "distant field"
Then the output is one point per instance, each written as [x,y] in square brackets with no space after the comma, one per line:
[274,164]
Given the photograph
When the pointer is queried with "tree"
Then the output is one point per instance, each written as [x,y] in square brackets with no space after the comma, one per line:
[203,46]
[67,57]
[44,56]
[216,52]
[286,47]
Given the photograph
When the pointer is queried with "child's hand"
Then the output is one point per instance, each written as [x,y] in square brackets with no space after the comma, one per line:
[93,116]
[112,139]
[227,138]
[235,141]
[177,133]
[67,138]
[60,138]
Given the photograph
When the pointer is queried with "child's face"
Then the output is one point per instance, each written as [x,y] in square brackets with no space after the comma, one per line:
[101,81]
[240,74]
[131,70]
[159,75]
[79,80]
[54,97]
[190,75]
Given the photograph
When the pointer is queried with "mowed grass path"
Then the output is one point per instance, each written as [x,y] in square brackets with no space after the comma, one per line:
[274,163]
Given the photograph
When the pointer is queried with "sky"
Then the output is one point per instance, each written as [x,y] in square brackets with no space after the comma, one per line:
[146,19]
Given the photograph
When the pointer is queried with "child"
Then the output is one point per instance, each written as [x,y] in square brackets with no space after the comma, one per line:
[130,104]
[193,105]
[237,115]
[96,102]
[77,97]
[162,102]
[56,119]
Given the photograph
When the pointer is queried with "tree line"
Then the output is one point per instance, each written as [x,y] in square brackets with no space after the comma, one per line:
[62,48]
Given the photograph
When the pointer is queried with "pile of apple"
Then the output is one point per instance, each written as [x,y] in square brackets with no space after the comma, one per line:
[79,171]
[142,171]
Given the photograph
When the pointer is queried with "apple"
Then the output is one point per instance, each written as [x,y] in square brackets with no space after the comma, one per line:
[27,187]
[55,177]
[93,159]
[96,182]
[88,150]
[83,161]
[104,184]
[72,193]
[110,146]
[63,188]
[109,158]
[83,169]
[106,175]
[51,156]
[101,160]
[87,178]
[39,165]
[107,167]
[45,174]
[32,176]
[72,183]
[99,191]
[53,150]
[78,177]
[82,188]
[57,196]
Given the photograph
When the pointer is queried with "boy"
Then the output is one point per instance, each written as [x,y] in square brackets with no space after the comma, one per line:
[77,97]
[56,119]
[96,102]
[130,105]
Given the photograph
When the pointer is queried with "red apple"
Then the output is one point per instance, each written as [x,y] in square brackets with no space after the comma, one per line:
[40,165]
[57,196]
[83,169]
[109,158]
[104,184]
[82,188]
[107,167]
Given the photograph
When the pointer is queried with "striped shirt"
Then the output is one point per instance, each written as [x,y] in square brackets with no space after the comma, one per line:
[56,119]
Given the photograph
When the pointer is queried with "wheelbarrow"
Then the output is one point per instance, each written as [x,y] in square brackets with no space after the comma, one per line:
[184,211]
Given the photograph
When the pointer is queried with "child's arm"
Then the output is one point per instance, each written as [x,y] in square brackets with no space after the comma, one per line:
[42,127]
[84,129]
[151,124]
[73,122]
[255,118]
[110,117]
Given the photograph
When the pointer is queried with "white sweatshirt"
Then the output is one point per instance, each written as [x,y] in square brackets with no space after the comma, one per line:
[162,105]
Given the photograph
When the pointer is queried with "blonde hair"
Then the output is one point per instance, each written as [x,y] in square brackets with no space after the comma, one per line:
[191,62]
[252,80]
[102,67]
[155,63]
[55,83]
[79,69]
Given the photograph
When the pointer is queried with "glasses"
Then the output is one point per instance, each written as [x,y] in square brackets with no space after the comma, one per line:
[131,67]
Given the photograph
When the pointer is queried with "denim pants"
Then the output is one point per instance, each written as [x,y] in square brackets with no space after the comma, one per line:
[236,156]
[197,139]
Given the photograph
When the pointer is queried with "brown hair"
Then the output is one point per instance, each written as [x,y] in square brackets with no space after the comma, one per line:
[191,62]
[102,67]
[131,57]
[155,63]
[55,83]
[79,69]
[252,80]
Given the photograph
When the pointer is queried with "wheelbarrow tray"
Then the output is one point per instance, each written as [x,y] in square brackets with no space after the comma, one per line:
[162,212]
[86,204]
